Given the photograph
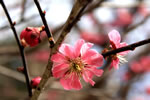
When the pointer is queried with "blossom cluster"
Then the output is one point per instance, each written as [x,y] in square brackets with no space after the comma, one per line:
[72,63]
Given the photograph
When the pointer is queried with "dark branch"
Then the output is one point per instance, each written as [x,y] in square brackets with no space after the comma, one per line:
[72,20]
[20,48]
[129,47]
[42,14]
[74,16]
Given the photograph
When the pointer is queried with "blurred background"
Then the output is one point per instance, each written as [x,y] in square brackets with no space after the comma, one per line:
[130,17]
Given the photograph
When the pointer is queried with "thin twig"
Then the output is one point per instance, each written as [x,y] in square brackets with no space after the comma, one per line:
[129,47]
[42,14]
[92,7]
[75,15]
[73,18]
[12,51]
[20,48]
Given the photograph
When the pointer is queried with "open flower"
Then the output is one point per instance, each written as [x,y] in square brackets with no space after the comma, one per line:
[72,63]
[30,36]
[114,38]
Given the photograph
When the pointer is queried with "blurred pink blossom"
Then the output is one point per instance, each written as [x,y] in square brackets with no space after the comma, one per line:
[95,38]
[123,18]
[143,10]
[40,55]
[143,65]
[148,90]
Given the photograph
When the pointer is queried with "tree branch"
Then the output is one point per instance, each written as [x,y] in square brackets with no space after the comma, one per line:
[20,48]
[74,16]
[42,14]
[128,47]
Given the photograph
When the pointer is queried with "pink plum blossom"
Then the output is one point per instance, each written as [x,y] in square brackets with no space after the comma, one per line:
[141,66]
[31,36]
[114,38]
[73,63]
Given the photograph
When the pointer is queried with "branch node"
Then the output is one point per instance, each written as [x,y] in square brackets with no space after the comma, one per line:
[14,23]
[44,12]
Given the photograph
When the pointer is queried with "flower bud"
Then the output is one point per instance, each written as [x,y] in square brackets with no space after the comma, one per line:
[31,36]
[20,69]
[35,82]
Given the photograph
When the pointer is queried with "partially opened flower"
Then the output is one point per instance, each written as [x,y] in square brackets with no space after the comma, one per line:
[115,39]
[30,36]
[72,63]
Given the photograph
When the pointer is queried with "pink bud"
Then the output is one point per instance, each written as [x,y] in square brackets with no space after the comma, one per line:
[30,36]
[35,82]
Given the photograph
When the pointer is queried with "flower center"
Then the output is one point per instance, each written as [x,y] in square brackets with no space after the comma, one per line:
[114,57]
[76,65]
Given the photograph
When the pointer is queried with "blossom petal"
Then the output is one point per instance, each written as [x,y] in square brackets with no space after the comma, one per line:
[87,76]
[59,58]
[60,70]
[75,83]
[115,64]
[88,54]
[85,47]
[114,37]
[124,52]
[78,46]
[71,82]
[97,72]
[95,60]
[67,50]
[65,82]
